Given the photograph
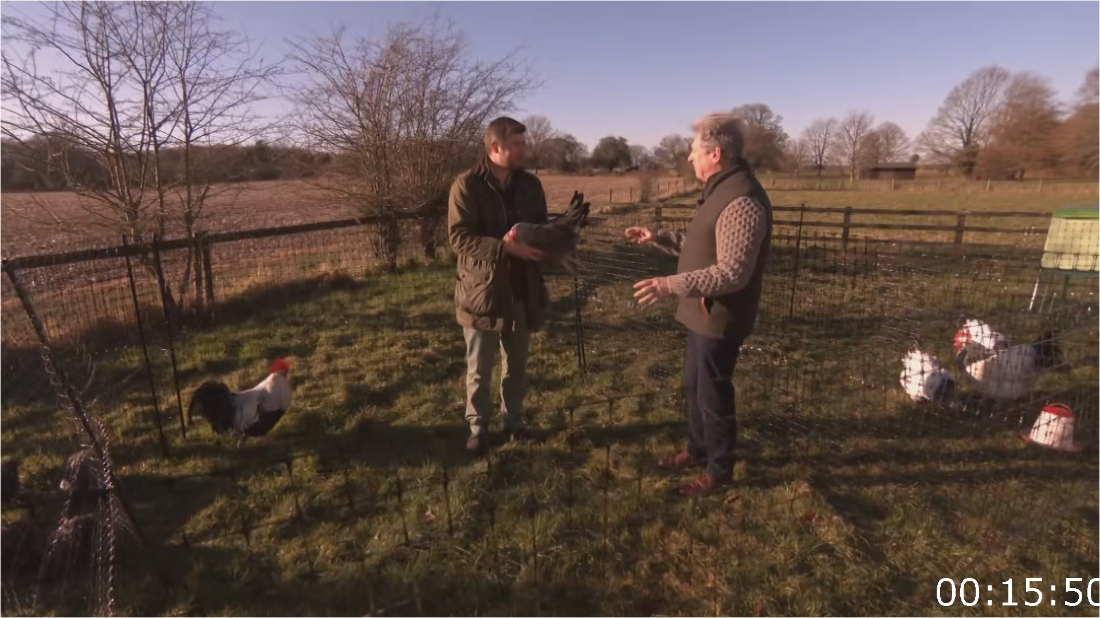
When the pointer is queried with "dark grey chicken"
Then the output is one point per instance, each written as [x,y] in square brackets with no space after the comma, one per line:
[558,238]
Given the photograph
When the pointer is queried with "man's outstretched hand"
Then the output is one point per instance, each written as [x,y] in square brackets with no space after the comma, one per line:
[651,290]
[521,251]
[640,235]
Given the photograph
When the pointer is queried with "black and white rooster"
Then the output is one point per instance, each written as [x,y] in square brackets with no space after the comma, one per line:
[558,238]
[1000,371]
[250,413]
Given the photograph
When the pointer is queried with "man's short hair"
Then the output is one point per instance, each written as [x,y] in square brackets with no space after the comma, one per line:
[501,129]
[722,130]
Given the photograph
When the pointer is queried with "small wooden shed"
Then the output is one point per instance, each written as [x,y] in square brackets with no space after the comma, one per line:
[889,171]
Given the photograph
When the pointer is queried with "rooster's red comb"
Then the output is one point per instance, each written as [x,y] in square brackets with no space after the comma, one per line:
[279,365]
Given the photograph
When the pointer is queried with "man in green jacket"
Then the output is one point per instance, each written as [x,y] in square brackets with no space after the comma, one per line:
[500,294]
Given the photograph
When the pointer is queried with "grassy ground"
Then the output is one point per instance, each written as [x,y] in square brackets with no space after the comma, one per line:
[850,500]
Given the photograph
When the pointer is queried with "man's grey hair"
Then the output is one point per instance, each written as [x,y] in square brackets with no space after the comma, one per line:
[722,131]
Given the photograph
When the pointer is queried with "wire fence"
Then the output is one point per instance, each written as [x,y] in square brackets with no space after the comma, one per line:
[863,480]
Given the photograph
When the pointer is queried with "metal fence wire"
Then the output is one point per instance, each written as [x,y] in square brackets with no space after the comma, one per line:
[907,411]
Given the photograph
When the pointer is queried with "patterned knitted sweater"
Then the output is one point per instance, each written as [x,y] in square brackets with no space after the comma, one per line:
[740,234]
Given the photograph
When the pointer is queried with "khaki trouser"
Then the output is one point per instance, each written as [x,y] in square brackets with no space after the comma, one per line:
[481,348]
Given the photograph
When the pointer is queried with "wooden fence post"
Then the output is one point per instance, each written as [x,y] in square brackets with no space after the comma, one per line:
[847,224]
[988,185]
[207,266]
[611,195]
[892,183]
[960,227]
[630,194]
[200,273]
[1040,185]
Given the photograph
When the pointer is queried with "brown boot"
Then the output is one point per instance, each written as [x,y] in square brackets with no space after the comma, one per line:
[705,485]
[679,461]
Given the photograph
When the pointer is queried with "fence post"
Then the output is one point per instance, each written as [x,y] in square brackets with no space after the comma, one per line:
[582,364]
[145,348]
[208,269]
[630,195]
[988,185]
[657,216]
[200,271]
[611,196]
[847,225]
[797,255]
[960,227]
[1040,185]
[892,183]
[168,326]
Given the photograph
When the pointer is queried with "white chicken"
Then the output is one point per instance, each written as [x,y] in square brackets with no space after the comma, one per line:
[250,413]
[979,333]
[924,379]
[1008,373]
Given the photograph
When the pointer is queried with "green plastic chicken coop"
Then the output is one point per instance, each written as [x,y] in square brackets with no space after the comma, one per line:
[1072,249]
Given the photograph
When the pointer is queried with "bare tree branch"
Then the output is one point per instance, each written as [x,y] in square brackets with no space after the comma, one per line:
[960,128]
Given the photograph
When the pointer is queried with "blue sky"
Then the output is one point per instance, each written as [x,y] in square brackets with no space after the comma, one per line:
[643,70]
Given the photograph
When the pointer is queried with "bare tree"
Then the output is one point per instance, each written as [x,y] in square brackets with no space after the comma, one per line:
[641,157]
[851,136]
[611,152]
[539,133]
[139,85]
[1076,140]
[820,137]
[765,139]
[1089,92]
[401,115]
[91,110]
[564,153]
[893,144]
[798,155]
[672,153]
[960,127]
[1023,129]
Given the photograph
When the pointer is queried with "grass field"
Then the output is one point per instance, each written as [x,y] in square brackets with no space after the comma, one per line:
[850,499]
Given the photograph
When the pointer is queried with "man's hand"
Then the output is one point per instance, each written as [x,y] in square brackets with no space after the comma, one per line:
[640,235]
[521,251]
[651,291]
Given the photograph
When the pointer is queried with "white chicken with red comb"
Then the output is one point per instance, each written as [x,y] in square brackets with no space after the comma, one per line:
[998,370]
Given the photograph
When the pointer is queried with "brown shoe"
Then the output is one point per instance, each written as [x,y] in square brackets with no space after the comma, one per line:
[705,485]
[679,461]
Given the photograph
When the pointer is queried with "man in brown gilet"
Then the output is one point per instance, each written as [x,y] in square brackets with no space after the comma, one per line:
[718,285]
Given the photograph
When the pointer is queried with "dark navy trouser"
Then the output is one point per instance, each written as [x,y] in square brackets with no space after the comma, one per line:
[712,422]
